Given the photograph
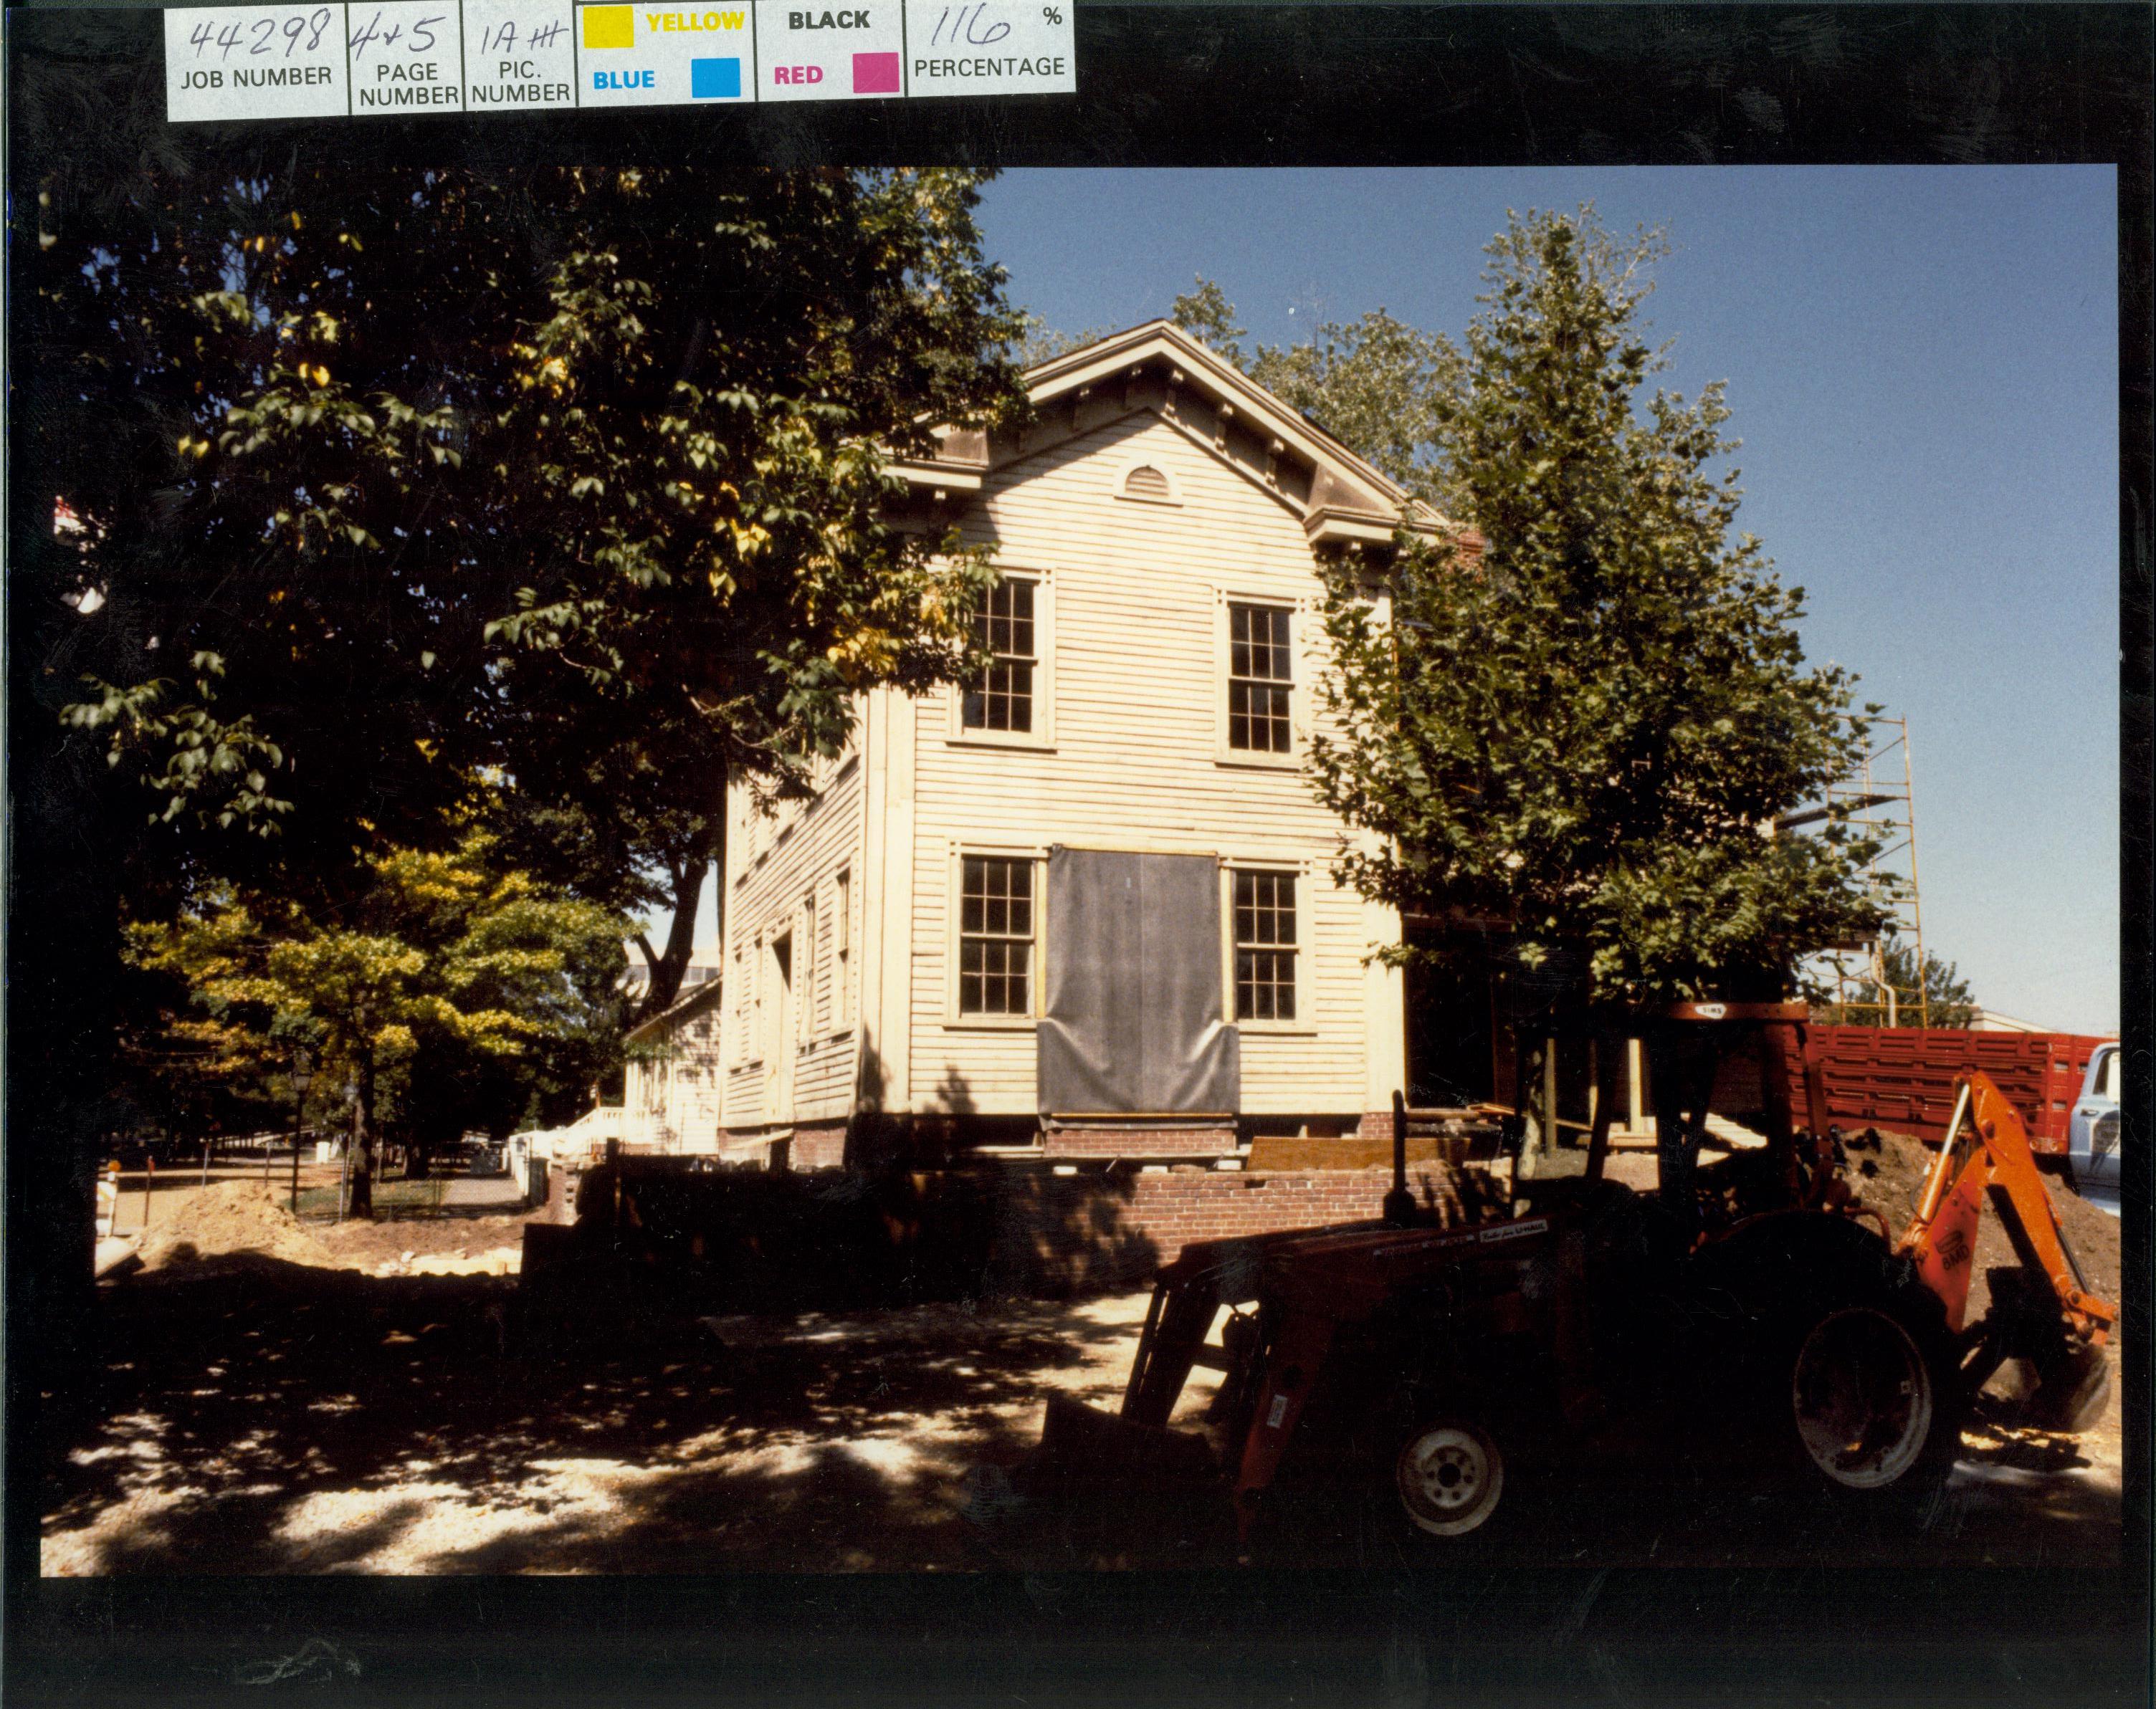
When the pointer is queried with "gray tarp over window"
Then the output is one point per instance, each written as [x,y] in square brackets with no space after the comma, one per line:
[1132,984]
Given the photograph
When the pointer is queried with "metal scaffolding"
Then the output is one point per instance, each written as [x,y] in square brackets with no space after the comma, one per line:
[1877,800]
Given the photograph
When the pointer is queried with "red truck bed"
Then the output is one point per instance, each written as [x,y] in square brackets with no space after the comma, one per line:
[1903,1077]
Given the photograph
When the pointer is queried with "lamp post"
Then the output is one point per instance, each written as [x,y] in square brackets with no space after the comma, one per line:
[303,1076]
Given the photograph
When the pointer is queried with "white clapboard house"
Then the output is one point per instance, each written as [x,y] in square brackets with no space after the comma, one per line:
[1083,907]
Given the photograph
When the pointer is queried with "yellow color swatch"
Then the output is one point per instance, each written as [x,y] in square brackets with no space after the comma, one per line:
[610,27]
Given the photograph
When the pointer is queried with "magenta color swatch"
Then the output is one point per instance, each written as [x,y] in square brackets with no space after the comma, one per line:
[875,73]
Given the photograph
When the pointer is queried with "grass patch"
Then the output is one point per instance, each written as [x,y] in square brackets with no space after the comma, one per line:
[391,1198]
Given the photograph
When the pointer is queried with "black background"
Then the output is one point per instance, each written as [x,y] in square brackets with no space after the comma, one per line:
[1222,85]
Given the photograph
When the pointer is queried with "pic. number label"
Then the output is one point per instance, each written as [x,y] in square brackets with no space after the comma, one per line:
[518,53]
[255,62]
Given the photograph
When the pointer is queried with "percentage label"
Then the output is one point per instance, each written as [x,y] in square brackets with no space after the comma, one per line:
[990,47]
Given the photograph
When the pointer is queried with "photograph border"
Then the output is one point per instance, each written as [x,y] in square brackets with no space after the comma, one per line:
[1215,86]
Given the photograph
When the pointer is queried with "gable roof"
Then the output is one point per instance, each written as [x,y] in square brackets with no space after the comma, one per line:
[1340,498]
[667,1018]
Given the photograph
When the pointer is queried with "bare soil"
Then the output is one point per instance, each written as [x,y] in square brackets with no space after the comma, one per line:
[200,1228]
[226,1217]
[1888,1170]
[490,1242]
[264,1417]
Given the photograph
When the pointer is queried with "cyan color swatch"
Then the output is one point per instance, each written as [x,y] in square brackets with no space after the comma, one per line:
[714,79]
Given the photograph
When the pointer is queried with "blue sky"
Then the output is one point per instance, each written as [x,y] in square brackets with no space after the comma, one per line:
[1922,363]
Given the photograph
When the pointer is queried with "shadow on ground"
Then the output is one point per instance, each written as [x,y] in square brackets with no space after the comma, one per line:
[259,1417]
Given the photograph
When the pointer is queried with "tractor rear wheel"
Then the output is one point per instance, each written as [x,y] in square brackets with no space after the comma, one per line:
[1865,1397]
[1862,1399]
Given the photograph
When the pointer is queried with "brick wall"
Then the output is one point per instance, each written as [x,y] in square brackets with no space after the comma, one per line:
[1074,1232]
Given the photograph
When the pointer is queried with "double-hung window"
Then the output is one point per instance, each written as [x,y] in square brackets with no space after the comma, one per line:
[995,936]
[1266,946]
[1004,628]
[1260,679]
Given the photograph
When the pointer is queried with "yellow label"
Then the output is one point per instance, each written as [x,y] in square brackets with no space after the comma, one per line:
[610,27]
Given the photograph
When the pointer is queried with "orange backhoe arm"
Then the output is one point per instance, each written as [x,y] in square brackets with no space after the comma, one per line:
[1986,1153]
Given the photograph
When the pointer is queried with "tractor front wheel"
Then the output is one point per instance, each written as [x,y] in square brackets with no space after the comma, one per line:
[1449,1476]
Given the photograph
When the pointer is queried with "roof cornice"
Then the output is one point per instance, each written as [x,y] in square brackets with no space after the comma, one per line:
[1207,371]
[1349,501]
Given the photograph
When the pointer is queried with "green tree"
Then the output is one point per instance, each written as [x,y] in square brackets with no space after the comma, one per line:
[451,992]
[1581,717]
[1946,999]
[1037,341]
[573,478]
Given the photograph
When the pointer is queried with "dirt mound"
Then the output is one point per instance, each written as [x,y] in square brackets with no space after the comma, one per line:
[1887,1172]
[227,1218]
[474,1242]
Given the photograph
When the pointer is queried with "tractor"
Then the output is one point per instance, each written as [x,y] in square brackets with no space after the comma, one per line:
[1750,1313]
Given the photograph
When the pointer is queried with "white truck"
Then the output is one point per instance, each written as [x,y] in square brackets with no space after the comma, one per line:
[2093,1130]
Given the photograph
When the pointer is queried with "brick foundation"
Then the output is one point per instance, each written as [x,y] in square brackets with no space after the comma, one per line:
[986,1227]
[819,1145]
[1102,1140]
[1056,1234]
[1378,1124]
[1295,1155]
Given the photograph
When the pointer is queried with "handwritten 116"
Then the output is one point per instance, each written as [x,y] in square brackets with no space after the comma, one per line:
[969,27]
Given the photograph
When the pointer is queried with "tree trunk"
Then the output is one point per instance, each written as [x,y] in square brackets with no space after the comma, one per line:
[1538,1138]
[363,1147]
[668,969]
[1681,1071]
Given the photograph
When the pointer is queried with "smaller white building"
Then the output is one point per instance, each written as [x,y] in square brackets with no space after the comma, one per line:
[673,1079]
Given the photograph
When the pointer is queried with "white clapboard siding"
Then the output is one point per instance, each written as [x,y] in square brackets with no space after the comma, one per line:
[1138,684]
[772,869]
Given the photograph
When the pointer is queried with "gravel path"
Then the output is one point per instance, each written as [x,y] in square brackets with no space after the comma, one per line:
[477,1192]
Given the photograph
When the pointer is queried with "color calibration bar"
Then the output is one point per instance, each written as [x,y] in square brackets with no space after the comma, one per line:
[360,58]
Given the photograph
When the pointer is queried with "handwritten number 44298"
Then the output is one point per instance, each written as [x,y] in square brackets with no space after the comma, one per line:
[968,28]
[263,31]
[372,32]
